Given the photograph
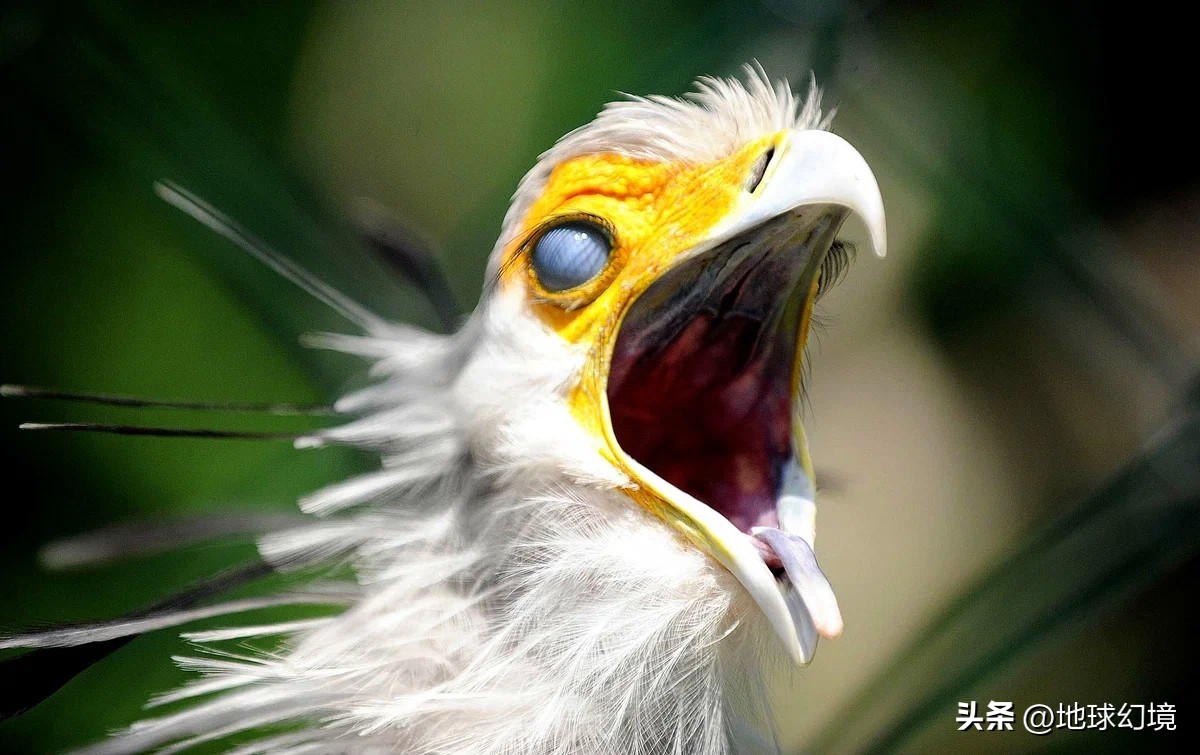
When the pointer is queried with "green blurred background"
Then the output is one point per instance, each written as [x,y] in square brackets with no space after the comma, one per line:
[1005,405]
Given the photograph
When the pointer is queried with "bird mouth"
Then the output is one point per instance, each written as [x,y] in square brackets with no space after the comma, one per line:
[704,387]
[705,371]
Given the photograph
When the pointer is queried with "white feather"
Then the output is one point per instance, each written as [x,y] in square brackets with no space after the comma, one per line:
[513,600]
[533,609]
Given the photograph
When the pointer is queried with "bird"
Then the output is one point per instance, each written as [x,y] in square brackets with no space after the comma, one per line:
[592,525]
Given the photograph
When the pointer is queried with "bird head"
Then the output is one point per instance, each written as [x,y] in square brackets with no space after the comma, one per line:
[669,255]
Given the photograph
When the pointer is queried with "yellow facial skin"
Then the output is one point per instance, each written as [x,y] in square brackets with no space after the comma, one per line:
[657,213]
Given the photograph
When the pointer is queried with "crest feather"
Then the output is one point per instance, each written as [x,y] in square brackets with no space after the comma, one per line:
[708,124]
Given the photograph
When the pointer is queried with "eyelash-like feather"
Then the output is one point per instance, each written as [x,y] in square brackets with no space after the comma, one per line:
[833,269]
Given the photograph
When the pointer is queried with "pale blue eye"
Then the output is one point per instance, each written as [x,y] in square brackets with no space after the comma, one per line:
[570,255]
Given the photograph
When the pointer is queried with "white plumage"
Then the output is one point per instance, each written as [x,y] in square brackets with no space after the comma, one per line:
[509,600]
[507,596]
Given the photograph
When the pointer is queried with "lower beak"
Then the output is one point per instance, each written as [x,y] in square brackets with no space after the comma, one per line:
[761,264]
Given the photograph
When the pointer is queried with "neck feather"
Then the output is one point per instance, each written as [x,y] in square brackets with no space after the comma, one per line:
[509,598]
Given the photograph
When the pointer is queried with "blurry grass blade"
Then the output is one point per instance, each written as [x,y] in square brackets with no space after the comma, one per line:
[1140,527]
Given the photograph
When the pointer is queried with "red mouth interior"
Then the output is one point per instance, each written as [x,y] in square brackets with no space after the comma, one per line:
[709,408]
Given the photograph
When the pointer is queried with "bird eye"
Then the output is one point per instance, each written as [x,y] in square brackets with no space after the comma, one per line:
[570,254]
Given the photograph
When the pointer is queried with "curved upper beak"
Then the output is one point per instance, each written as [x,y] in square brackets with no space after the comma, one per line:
[815,168]
[817,189]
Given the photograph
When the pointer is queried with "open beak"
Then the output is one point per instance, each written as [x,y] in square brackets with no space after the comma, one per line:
[704,379]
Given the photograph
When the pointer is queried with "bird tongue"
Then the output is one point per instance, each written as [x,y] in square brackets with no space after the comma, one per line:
[811,600]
